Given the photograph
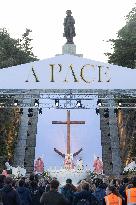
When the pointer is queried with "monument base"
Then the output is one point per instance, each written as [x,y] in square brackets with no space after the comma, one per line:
[70,49]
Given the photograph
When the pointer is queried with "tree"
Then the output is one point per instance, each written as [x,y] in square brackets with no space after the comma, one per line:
[124,46]
[12,52]
[15,51]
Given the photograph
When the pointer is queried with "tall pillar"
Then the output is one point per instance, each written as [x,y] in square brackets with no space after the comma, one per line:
[21,141]
[106,143]
[31,142]
[25,148]
[114,137]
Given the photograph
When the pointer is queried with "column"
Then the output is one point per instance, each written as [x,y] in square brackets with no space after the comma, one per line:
[114,136]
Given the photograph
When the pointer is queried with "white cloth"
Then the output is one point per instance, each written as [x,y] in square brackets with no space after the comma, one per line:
[130,166]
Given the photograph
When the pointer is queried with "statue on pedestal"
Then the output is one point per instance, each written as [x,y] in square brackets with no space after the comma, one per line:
[98,166]
[69,29]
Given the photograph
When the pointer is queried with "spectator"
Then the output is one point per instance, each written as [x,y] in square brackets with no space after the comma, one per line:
[68,190]
[24,193]
[53,197]
[2,178]
[35,193]
[112,196]
[100,192]
[9,194]
[122,187]
[131,192]
[85,196]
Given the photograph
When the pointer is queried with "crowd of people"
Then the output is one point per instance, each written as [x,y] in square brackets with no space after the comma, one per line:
[37,190]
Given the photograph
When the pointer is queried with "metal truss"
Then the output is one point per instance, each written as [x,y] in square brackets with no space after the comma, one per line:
[68,99]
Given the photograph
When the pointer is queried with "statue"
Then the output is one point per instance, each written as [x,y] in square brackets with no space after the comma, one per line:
[98,166]
[39,166]
[79,164]
[68,163]
[69,29]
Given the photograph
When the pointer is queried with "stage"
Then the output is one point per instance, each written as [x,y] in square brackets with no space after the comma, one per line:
[86,136]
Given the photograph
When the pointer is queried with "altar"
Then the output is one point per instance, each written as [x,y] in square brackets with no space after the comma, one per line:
[63,174]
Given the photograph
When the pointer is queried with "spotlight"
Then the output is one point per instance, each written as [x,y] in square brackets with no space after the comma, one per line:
[36,103]
[15,102]
[25,163]
[79,104]
[40,111]
[119,103]
[99,102]
[56,102]
[106,113]
[2,105]
[21,111]
[29,123]
[97,110]
[116,110]
[30,112]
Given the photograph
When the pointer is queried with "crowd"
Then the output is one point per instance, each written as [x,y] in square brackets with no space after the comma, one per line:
[38,190]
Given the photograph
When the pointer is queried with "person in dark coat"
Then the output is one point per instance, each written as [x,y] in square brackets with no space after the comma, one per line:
[68,190]
[36,193]
[9,194]
[100,192]
[53,197]
[122,188]
[85,196]
[24,193]
[2,179]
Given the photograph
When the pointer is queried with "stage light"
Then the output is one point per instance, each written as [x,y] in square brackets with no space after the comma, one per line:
[29,123]
[36,103]
[119,103]
[106,113]
[21,111]
[25,163]
[30,112]
[56,102]
[79,104]
[2,105]
[97,110]
[116,110]
[99,102]
[40,111]
[15,102]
